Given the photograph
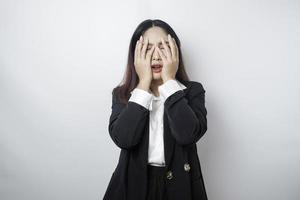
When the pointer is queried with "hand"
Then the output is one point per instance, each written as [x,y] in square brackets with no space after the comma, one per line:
[170,60]
[142,61]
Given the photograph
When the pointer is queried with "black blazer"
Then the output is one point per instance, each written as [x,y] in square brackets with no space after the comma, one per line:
[184,124]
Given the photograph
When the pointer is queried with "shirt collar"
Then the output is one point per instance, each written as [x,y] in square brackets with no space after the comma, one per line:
[157,98]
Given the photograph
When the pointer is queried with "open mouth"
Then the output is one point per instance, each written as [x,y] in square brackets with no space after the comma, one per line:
[156,68]
[156,65]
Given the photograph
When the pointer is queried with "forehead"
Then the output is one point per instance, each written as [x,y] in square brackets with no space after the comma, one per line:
[155,34]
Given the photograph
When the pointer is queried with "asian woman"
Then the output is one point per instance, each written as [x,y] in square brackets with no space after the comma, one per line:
[158,115]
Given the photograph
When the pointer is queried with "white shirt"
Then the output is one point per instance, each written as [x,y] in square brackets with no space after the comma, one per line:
[155,104]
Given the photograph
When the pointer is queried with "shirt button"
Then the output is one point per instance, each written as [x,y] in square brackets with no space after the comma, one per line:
[169,175]
[187,167]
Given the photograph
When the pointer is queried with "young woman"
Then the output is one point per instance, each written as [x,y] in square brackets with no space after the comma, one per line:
[157,117]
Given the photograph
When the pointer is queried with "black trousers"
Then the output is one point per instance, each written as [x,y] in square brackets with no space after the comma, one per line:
[156,183]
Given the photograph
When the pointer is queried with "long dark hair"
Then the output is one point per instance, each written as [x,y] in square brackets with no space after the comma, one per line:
[131,79]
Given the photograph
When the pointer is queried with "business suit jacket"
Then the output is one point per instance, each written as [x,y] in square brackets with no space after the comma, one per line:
[184,124]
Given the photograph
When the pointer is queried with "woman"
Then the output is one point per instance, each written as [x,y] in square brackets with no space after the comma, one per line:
[157,117]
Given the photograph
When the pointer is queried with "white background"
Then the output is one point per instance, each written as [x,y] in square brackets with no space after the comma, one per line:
[59,61]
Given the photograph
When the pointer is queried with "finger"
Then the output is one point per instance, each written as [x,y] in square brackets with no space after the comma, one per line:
[139,47]
[166,48]
[172,45]
[163,57]
[136,51]
[176,49]
[145,45]
[150,53]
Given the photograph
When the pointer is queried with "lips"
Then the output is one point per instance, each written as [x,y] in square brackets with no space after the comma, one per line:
[156,66]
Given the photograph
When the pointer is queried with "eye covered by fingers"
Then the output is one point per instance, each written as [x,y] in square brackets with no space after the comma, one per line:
[170,48]
[142,49]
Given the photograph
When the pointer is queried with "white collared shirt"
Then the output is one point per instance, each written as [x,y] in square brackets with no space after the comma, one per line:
[155,104]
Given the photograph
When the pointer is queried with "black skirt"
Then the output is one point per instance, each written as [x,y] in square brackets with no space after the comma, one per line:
[156,183]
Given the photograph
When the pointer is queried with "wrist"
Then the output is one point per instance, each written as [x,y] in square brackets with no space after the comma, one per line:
[168,78]
[144,85]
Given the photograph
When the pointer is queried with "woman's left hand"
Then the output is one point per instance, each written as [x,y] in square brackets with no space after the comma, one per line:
[170,60]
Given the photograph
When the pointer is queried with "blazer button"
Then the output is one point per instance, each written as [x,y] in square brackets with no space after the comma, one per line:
[187,167]
[169,175]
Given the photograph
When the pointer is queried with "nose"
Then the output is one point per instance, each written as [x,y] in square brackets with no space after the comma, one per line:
[155,55]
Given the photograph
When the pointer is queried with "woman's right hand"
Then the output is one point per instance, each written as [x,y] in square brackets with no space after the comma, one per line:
[142,61]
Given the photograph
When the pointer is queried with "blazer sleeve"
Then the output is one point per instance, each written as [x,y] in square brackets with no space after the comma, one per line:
[187,116]
[127,123]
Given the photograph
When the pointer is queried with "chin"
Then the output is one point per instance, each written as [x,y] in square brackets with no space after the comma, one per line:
[156,76]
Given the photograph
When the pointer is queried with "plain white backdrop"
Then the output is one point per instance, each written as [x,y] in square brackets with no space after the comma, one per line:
[59,61]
